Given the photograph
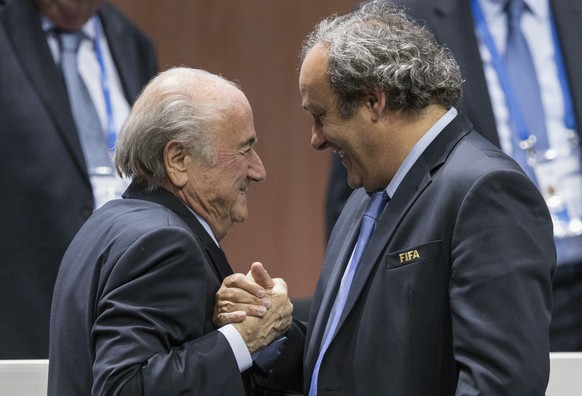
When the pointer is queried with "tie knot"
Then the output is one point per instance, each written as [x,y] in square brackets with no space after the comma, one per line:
[376,204]
[70,41]
[514,10]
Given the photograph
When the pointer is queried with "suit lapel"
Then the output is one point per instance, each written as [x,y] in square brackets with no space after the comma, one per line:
[338,252]
[22,21]
[162,197]
[417,179]
[415,182]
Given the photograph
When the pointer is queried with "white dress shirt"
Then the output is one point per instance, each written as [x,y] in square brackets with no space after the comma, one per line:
[537,30]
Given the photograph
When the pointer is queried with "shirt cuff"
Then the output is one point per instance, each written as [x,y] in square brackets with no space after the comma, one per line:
[238,346]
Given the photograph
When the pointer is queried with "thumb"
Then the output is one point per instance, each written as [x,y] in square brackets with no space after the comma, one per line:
[260,275]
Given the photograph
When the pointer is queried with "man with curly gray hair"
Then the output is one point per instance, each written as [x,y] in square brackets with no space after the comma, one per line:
[437,275]
[452,294]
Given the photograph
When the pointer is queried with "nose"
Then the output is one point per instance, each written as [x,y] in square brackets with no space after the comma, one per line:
[257,172]
[318,141]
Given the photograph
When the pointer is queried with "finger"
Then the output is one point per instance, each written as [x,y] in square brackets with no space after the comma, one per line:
[279,286]
[261,276]
[257,310]
[223,319]
[232,299]
[244,283]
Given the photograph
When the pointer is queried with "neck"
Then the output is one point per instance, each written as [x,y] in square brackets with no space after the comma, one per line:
[68,17]
[205,210]
[402,132]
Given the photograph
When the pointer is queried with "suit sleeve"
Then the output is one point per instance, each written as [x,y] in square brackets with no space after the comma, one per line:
[503,259]
[287,373]
[149,327]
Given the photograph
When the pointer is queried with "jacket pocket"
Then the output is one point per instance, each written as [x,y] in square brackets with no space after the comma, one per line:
[412,255]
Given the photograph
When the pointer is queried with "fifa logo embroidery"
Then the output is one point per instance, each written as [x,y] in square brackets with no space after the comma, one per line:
[409,256]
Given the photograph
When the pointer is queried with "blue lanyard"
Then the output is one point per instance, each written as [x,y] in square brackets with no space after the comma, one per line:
[499,67]
[111,135]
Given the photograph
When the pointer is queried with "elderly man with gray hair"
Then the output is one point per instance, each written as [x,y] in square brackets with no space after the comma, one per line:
[134,303]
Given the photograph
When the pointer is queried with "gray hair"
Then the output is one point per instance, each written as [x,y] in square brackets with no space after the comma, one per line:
[175,105]
[379,46]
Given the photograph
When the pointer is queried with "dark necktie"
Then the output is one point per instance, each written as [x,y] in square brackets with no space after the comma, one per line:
[89,129]
[522,76]
[373,211]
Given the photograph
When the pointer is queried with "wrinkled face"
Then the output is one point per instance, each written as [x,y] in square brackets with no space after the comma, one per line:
[221,189]
[69,14]
[346,137]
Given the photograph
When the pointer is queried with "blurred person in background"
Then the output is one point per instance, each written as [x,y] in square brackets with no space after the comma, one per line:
[70,72]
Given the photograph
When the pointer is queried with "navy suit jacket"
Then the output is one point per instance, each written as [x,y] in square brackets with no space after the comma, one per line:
[46,193]
[453,294]
[133,305]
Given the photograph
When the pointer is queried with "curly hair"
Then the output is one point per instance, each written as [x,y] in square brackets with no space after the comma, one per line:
[379,46]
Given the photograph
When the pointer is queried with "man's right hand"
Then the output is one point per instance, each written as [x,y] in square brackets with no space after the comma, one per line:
[265,318]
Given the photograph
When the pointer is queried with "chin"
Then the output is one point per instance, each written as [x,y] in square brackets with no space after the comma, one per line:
[355,184]
[240,216]
[239,219]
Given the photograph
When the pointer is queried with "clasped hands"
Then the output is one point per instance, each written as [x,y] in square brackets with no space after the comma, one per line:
[256,304]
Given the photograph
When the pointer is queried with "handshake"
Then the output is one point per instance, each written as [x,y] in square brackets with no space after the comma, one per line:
[257,306]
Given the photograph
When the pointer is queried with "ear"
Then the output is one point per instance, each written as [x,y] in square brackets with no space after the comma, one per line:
[376,103]
[175,163]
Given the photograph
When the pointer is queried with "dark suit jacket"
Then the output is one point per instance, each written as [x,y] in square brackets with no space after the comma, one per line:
[46,193]
[133,304]
[453,294]
[452,24]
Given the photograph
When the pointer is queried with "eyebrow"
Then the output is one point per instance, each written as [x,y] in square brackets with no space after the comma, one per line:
[249,142]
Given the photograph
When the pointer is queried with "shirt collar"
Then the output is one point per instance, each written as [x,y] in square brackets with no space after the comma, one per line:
[418,149]
[204,224]
[539,8]
[88,28]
